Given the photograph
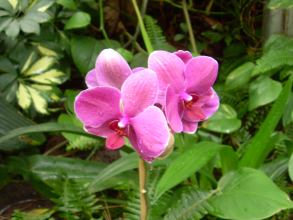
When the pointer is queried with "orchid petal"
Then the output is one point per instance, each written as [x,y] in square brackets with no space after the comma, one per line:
[172,110]
[91,79]
[139,91]
[185,56]
[97,105]
[111,68]
[150,135]
[211,105]
[169,69]
[114,141]
[204,107]
[200,74]
[101,131]
[137,69]
[189,127]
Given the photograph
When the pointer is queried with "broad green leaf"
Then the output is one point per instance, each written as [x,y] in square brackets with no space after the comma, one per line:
[46,51]
[49,169]
[42,5]
[139,59]
[13,3]
[40,65]
[78,20]
[11,119]
[127,162]
[126,54]
[248,194]
[70,97]
[84,51]
[29,26]
[277,54]
[240,76]
[70,4]
[186,164]
[223,121]
[275,168]
[28,61]
[4,22]
[291,167]
[263,91]
[23,96]
[288,112]
[39,102]
[12,30]
[256,150]
[274,4]
[229,159]
[52,76]
[45,127]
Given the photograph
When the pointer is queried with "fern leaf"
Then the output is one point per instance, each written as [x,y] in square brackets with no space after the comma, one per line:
[133,207]
[192,205]
[156,35]
[278,53]
[75,201]
[82,143]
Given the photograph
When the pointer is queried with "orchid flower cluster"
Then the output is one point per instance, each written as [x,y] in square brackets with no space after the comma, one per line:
[147,105]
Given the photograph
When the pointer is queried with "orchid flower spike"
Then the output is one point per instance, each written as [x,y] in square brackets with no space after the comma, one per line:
[111,69]
[108,112]
[186,83]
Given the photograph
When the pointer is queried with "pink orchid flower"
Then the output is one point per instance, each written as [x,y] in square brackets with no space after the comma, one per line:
[111,69]
[186,83]
[108,112]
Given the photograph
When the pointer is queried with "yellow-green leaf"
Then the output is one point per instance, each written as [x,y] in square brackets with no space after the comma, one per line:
[28,62]
[13,3]
[46,51]
[23,96]
[52,76]
[41,65]
[43,88]
[39,101]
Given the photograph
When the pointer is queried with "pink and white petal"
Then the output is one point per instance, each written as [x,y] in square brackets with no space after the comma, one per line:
[211,105]
[195,114]
[91,79]
[189,127]
[205,106]
[151,133]
[200,74]
[173,111]
[97,105]
[137,69]
[185,56]
[111,68]
[139,91]
[102,131]
[114,141]
[169,69]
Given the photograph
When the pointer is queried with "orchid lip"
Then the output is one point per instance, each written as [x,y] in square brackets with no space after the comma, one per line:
[186,97]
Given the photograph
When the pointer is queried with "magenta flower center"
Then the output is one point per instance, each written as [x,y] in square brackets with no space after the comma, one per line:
[119,126]
[189,101]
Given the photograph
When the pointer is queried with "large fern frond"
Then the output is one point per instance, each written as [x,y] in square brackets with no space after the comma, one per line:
[75,201]
[192,205]
[156,35]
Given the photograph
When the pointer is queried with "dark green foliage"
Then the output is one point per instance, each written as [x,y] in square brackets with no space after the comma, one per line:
[193,204]
[74,200]
[156,35]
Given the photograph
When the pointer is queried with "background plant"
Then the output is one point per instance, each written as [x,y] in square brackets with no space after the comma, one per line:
[47,47]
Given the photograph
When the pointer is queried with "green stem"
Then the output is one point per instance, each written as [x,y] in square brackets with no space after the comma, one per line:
[144,33]
[102,27]
[142,190]
[190,31]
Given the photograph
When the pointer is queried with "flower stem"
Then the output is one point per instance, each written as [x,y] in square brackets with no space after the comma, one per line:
[190,31]
[144,33]
[142,190]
